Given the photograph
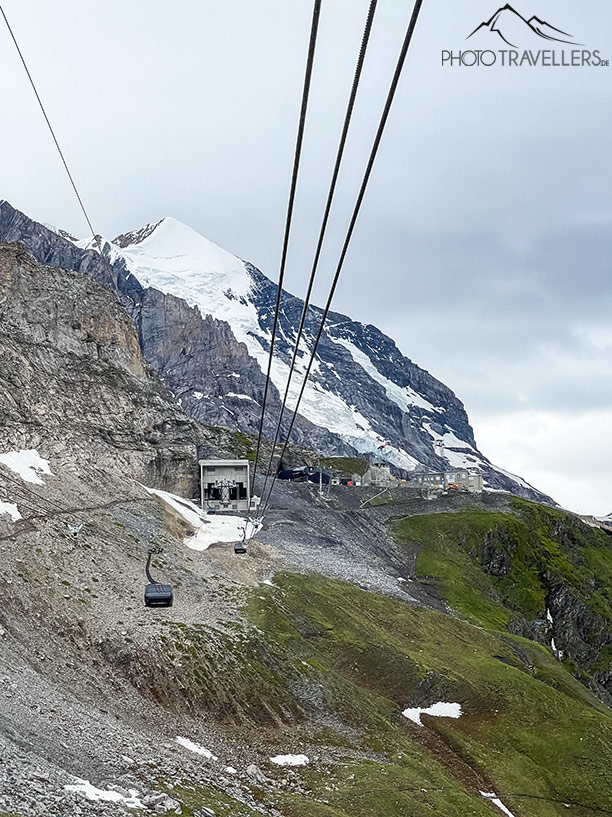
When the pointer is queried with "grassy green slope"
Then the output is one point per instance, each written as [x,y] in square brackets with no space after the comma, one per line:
[328,668]
[347,465]
[493,567]
[529,728]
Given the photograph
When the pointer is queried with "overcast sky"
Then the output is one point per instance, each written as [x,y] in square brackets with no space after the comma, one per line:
[484,244]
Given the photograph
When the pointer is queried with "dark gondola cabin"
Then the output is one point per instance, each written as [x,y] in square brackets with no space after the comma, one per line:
[240,547]
[158,595]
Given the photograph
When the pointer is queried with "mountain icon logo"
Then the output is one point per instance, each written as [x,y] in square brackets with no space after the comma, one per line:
[517,31]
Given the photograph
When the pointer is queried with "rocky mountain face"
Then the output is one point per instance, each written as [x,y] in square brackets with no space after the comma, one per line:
[74,383]
[204,319]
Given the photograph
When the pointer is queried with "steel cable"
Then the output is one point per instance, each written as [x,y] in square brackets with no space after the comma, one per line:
[366,178]
[294,178]
[328,205]
[42,108]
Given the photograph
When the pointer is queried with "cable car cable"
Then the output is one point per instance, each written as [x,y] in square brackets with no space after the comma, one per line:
[294,178]
[42,108]
[366,178]
[58,510]
[323,229]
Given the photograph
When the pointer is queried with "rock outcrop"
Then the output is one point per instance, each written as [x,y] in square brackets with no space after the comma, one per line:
[75,385]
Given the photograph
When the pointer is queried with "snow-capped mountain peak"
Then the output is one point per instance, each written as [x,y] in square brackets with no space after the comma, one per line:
[386,406]
[170,255]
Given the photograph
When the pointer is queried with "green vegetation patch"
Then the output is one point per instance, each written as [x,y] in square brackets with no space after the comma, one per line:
[247,443]
[192,800]
[447,540]
[528,726]
[346,465]
[396,789]
[491,566]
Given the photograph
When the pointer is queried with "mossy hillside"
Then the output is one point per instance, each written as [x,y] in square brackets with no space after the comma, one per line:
[247,443]
[491,566]
[400,788]
[447,540]
[346,465]
[528,726]
[234,675]
[192,800]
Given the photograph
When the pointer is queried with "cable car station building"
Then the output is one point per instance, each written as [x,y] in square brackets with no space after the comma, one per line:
[225,485]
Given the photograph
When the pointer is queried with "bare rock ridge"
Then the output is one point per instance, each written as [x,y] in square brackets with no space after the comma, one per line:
[363,393]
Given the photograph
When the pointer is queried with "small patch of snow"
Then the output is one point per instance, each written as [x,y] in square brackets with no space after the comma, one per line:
[240,396]
[195,747]
[198,395]
[90,791]
[230,770]
[439,710]
[497,802]
[290,760]
[549,616]
[28,464]
[11,509]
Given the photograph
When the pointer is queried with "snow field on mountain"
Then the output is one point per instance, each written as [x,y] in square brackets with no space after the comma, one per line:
[176,260]
[11,509]
[513,477]
[404,396]
[28,464]
[456,459]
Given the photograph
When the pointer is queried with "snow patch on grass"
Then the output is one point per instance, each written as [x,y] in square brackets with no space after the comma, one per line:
[28,464]
[497,802]
[439,710]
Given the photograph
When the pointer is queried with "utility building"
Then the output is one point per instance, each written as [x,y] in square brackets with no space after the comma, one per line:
[462,478]
[225,485]
[379,475]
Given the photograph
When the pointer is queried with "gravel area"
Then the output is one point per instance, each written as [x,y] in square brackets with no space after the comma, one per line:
[76,643]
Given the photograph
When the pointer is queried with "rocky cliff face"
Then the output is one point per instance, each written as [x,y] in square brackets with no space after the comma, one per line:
[204,319]
[75,385]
